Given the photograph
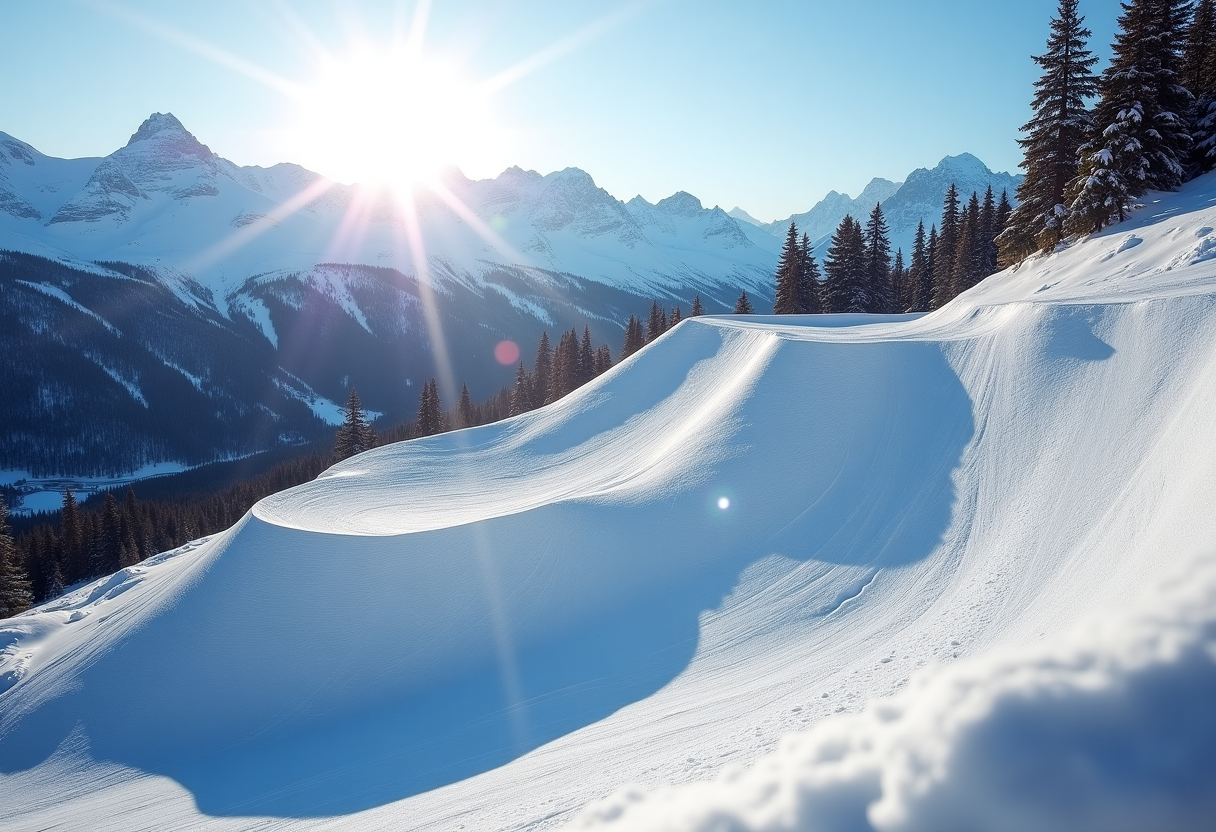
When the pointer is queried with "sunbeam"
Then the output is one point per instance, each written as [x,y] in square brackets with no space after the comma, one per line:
[566,45]
[202,48]
[247,234]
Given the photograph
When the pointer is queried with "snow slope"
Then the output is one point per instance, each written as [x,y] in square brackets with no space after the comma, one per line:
[749,527]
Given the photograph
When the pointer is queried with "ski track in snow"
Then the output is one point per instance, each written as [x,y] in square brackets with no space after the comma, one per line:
[497,628]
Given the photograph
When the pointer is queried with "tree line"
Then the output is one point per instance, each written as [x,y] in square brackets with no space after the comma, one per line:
[860,275]
[1152,127]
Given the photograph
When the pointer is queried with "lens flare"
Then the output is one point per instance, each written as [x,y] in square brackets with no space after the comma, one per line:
[506,353]
[724,503]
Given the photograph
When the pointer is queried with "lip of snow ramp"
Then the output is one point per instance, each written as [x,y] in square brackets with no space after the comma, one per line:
[433,609]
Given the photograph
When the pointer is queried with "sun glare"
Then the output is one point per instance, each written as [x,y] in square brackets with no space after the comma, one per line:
[395,120]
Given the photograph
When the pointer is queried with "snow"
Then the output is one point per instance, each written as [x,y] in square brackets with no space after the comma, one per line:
[60,295]
[918,548]
[165,201]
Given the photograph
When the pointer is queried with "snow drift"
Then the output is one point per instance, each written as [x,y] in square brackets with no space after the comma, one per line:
[750,526]
[1109,727]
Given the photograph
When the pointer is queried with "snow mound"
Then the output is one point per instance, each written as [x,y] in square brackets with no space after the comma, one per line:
[1109,727]
[747,528]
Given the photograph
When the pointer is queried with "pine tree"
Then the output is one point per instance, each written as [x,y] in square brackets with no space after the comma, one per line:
[675,318]
[900,288]
[917,271]
[1168,168]
[696,307]
[1199,75]
[542,368]
[944,251]
[657,323]
[107,551]
[564,379]
[925,290]
[14,584]
[787,299]
[635,338]
[430,411]
[968,252]
[1003,212]
[1139,138]
[355,435]
[1053,137]
[809,288]
[521,394]
[988,231]
[586,357]
[743,306]
[603,360]
[71,540]
[847,288]
[464,410]
[878,262]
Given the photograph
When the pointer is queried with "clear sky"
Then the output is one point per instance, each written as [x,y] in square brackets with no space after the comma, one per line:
[765,104]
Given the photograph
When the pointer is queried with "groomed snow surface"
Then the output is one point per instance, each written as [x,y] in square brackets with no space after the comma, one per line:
[949,572]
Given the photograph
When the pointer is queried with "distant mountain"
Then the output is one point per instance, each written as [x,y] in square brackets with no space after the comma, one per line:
[918,198]
[822,220]
[254,297]
[167,202]
[739,214]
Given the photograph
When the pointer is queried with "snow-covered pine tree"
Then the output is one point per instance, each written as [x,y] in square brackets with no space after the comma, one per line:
[945,249]
[743,306]
[1168,168]
[676,316]
[14,584]
[919,278]
[847,288]
[787,300]
[809,287]
[1199,75]
[1053,137]
[697,309]
[878,263]
[354,435]
[1139,138]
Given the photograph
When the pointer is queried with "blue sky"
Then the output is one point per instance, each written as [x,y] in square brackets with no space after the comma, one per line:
[766,104]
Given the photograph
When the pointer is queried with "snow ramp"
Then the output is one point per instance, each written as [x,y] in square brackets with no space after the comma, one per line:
[749,526]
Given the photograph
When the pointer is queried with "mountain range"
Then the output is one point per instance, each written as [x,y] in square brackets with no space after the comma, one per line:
[137,279]
[905,204]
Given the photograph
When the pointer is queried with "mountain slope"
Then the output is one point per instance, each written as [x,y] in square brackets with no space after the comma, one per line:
[165,199]
[747,527]
[917,199]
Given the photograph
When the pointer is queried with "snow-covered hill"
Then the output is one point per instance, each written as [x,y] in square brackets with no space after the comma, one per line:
[750,528]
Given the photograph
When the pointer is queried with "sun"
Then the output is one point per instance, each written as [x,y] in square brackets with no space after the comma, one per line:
[396,120]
